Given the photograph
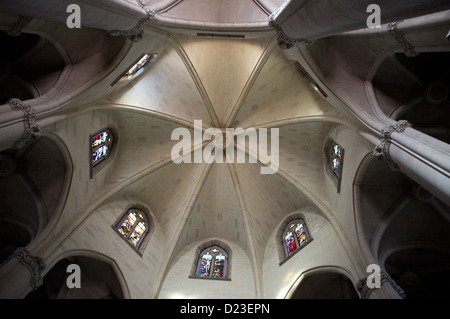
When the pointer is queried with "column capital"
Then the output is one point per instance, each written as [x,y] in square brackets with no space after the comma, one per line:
[381,151]
[35,265]
[137,33]
[284,41]
[32,130]
[365,291]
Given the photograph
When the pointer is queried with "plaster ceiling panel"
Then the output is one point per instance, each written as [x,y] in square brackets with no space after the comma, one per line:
[301,153]
[167,191]
[268,199]
[216,212]
[143,141]
[166,87]
[224,67]
[280,92]
[218,11]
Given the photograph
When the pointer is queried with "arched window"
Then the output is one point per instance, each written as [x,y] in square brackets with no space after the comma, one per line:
[212,262]
[140,64]
[137,68]
[295,237]
[133,227]
[334,161]
[102,145]
[336,158]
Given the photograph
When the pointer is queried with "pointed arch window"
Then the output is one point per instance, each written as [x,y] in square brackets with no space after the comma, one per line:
[334,162]
[212,262]
[336,155]
[102,148]
[295,237]
[101,144]
[137,68]
[134,227]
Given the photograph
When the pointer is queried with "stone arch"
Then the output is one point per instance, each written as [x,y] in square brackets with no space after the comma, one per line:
[403,228]
[100,276]
[326,282]
[35,185]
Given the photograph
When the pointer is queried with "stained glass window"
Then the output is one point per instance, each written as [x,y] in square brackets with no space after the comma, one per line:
[334,162]
[295,237]
[212,263]
[133,227]
[336,158]
[139,65]
[101,146]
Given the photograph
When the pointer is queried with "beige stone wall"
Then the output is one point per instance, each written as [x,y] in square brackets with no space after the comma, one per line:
[96,234]
[342,203]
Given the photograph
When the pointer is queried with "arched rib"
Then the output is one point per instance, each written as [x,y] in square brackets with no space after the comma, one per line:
[317,202]
[251,80]
[164,269]
[254,259]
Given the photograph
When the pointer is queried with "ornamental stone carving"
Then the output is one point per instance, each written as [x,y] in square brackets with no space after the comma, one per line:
[408,48]
[365,291]
[381,151]
[32,130]
[16,28]
[283,40]
[137,33]
[35,265]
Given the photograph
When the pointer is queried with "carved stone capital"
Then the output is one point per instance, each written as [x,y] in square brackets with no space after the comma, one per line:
[35,266]
[386,278]
[283,40]
[381,151]
[365,291]
[137,33]
[408,47]
[32,130]
[16,28]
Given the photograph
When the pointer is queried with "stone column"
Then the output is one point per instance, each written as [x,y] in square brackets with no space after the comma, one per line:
[388,289]
[119,16]
[20,274]
[309,20]
[423,158]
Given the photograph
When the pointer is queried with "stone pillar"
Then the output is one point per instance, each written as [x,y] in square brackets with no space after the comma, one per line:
[21,129]
[121,17]
[423,158]
[309,20]
[388,289]
[20,274]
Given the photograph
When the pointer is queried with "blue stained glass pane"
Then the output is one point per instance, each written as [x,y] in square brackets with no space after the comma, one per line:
[205,265]
[337,150]
[336,163]
[100,139]
[99,154]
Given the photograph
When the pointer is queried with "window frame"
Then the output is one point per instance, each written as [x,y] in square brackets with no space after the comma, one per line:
[140,247]
[112,145]
[130,74]
[297,244]
[282,231]
[202,250]
[329,156]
